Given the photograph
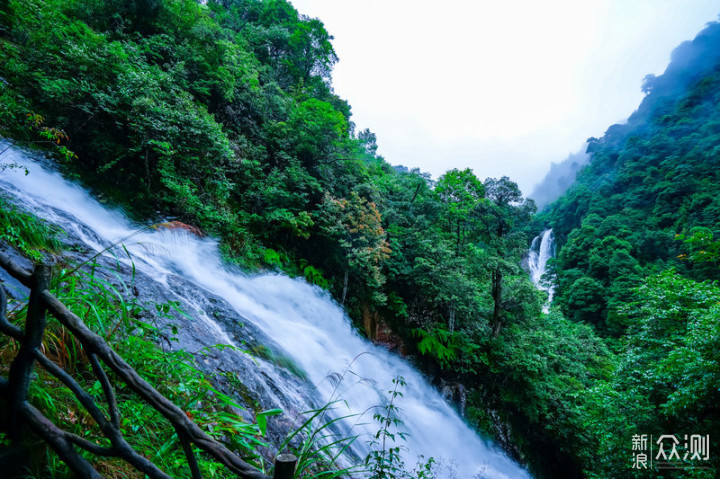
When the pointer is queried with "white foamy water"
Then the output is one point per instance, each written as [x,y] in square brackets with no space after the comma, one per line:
[304,321]
[541,250]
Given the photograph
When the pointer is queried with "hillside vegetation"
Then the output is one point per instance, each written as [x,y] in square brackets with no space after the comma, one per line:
[223,116]
[649,180]
[638,257]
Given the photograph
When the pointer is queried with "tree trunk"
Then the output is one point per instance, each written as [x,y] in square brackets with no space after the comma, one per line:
[497,299]
[451,318]
[345,288]
[457,246]
[147,171]
[417,190]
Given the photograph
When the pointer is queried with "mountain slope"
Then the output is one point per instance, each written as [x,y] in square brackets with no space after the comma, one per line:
[647,181]
[637,243]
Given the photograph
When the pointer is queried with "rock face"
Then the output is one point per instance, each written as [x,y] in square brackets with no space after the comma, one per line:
[380,333]
[503,435]
[455,394]
[13,287]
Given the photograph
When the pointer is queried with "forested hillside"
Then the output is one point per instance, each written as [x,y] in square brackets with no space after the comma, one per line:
[648,181]
[223,116]
[638,246]
[560,177]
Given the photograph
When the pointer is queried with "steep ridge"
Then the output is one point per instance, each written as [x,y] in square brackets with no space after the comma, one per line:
[637,241]
[649,179]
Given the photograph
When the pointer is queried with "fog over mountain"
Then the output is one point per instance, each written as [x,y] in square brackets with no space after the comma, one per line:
[559,178]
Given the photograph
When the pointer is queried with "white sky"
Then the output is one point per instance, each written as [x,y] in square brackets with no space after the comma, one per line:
[503,87]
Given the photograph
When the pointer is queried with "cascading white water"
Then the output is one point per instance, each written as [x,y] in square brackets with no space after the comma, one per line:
[541,250]
[311,328]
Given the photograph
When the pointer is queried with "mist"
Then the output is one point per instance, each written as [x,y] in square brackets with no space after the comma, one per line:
[560,177]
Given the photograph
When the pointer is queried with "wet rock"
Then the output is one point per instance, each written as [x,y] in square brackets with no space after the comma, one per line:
[455,394]
[13,287]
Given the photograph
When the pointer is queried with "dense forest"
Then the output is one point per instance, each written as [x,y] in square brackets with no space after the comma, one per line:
[222,115]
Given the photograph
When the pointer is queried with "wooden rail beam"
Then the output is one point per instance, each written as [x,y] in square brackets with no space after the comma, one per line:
[63,442]
[95,344]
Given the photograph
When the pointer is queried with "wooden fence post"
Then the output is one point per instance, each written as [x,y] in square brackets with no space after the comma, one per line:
[22,366]
[285,465]
[19,412]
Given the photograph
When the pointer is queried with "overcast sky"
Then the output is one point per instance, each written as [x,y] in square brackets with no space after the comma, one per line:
[503,87]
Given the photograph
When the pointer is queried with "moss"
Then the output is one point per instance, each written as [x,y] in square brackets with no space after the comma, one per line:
[278,359]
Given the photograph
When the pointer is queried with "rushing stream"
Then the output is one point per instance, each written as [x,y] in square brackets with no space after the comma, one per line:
[300,319]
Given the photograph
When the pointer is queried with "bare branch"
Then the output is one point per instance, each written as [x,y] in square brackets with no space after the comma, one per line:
[121,447]
[96,347]
[57,439]
[6,326]
[107,389]
[85,399]
[15,270]
[187,448]
[91,446]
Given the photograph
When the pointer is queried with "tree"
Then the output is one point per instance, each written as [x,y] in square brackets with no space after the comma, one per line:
[460,192]
[369,141]
[586,301]
[315,132]
[504,216]
[356,224]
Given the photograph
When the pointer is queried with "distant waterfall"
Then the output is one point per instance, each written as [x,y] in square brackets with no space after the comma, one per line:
[542,249]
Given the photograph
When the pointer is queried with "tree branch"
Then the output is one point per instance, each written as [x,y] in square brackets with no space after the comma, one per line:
[107,389]
[121,447]
[6,326]
[58,440]
[85,399]
[187,448]
[95,345]
[91,446]
[15,270]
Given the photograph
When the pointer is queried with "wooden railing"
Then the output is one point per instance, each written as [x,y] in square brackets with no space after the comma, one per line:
[15,387]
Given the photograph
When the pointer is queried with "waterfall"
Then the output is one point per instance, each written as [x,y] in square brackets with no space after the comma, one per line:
[541,250]
[301,319]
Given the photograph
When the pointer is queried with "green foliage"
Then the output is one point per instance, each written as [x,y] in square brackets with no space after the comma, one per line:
[702,245]
[537,376]
[222,115]
[384,461]
[674,333]
[460,192]
[25,232]
[636,236]
[356,225]
[315,441]
[283,262]
[646,181]
[320,448]
[665,377]
[134,329]
[440,343]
